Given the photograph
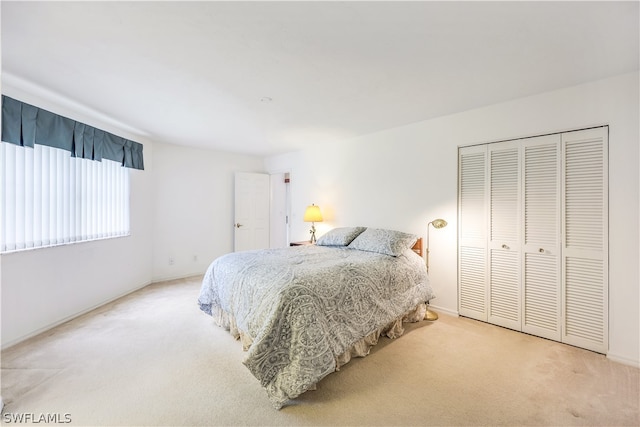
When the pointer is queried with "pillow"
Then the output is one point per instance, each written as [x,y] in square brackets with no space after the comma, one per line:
[341,236]
[388,242]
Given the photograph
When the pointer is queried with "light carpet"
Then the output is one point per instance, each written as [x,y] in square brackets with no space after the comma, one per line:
[153,358]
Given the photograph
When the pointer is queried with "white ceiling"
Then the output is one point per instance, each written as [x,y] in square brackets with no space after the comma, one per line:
[195,73]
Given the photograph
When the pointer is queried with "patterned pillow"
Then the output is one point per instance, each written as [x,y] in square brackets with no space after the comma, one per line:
[388,242]
[341,236]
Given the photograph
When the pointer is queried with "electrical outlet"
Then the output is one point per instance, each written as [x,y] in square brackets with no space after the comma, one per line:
[195,258]
[171,260]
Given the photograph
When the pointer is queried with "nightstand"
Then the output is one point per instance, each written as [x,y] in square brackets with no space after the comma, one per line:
[302,243]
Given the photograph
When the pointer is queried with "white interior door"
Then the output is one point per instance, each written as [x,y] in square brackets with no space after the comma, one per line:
[251,212]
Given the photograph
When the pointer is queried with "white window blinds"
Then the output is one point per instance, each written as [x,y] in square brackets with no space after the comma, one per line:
[49,198]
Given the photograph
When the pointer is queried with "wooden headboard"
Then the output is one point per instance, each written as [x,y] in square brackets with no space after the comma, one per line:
[417,248]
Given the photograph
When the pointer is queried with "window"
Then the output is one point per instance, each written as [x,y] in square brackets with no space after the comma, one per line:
[48,197]
[61,181]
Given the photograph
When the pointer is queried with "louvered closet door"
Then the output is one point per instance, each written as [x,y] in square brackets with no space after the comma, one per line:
[585,229]
[541,309]
[504,234]
[472,232]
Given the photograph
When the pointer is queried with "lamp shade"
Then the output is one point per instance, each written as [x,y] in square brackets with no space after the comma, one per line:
[438,223]
[312,214]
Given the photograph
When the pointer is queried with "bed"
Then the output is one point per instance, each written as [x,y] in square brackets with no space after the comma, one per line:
[302,312]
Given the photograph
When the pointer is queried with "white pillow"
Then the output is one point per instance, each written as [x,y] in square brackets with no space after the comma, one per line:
[341,236]
[388,242]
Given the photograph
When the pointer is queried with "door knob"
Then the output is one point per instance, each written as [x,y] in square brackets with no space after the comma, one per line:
[505,247]
[541,250]
[238,225]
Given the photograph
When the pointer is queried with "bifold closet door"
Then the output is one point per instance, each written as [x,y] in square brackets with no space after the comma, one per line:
[541,249]
[504,234]
[585,229]
[472,232]
[533,236]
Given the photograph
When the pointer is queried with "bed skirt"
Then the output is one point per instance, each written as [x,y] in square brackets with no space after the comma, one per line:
[361,348]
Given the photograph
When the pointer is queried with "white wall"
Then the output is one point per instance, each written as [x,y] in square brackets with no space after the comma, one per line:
[44,287]
[193,207]
[404,177]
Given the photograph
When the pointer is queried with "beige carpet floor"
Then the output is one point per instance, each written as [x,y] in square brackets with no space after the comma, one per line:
[152,358]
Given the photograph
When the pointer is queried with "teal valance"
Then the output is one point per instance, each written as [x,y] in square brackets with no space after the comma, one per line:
[26,125]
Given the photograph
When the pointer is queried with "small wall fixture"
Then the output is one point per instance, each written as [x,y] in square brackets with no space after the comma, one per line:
[312,215]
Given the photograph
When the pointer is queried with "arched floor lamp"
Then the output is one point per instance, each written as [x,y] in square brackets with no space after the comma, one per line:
[437,224]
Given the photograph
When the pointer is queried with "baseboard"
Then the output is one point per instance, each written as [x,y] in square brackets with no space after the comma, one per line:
[193,276]
[624,360]
[176,277]
[442,310]
[68,318]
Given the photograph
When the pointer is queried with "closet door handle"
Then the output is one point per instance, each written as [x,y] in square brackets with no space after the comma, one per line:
[541,250]
[505,247]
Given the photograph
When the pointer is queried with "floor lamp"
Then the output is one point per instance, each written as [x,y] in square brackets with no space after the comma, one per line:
[437,224]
